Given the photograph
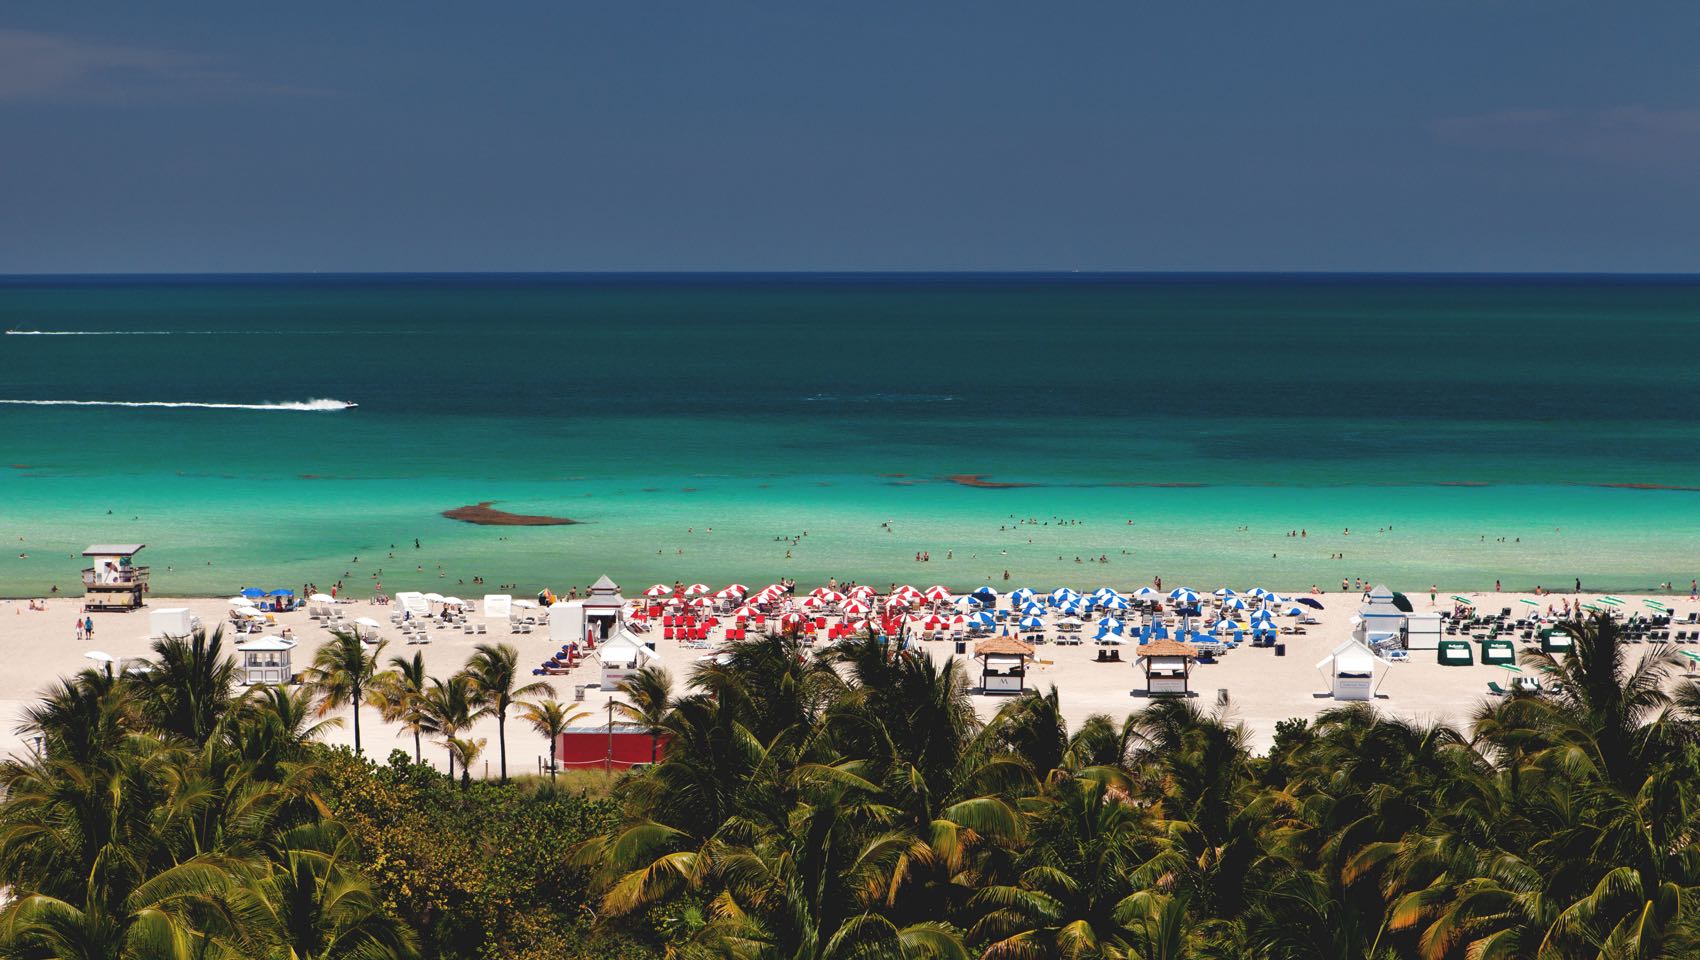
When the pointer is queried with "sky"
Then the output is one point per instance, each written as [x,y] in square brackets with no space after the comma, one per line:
[1429,135]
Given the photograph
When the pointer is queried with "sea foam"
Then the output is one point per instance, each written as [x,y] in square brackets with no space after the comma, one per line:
[312,406]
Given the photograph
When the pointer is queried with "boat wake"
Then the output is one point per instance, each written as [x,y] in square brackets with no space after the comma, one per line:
[311,406]
[117,333]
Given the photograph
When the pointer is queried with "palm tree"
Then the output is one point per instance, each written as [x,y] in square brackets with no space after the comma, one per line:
[649,695]
[446,708]
[550,718]
[276,726]
[184,689]
[466,750]
[494,671]
[82,719]
[399,693]
[341,674]
[314,904]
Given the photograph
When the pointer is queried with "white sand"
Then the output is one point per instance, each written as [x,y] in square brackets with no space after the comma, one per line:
[38,646]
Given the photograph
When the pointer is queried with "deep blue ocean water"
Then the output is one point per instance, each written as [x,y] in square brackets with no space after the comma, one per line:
[1174,425]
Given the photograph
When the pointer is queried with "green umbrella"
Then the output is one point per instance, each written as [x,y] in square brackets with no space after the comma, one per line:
[1532,603]
[1614,601]
[1466,601]
[1656,605]
[1690,654]
[1589,606]
[1512,667]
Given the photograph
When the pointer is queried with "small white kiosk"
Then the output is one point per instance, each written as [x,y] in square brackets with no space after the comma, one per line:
[1003,664]
[1167,665]
[497,606]
[1383,622]
[266,660]
[1422,631]
[623,656]
[1350,670]
[604,608]
[171,622]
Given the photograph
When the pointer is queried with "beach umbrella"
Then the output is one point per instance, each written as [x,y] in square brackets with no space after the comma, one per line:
[856,608]
[454,602]
[1063,595]
[1183,595]
[659,590]
[322,598]
[1116,602]
[241,602]
[1466,601]
[1033,609]
[1692,656]
[253,592]
[1614,601]
[1021,595]
[367,622]
[982,619]
[434,597]
[1532,603]
[965,602]
[1656,605]
[1310,602]
[729,594]
[736,588]
[934,622]
[791,620]
[1224,592]
[830,596]
[937,592]
[1295,611]
[1228,625]
[1146,593]
[1234,604]
[1031,623]
[1590,606]
[1262,616]
[1071,607]
[100,656]
[281,593]
[1258,592]
[1110,623]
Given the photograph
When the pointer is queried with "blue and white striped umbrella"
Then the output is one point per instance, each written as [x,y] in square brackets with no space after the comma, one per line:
[1063,595]
[1108,636]
[1032,623]
[982,619]
[1226,626]
[1183,595]
[1021,595]
[986,594]
[1258,592]
[1114,603]
[1146,593]
[1262,616]
[1111,624]
[965,604]
[1295,611]
[1235,604]
[1225,592]
[1071,607]
[1034,608]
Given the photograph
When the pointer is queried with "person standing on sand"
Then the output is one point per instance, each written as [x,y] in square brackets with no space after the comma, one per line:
[79,629]
[88,628]
[1432,591]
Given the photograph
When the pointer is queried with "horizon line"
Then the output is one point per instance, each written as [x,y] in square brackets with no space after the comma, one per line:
[918,273]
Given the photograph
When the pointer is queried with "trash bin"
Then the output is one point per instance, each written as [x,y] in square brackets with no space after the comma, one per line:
[578,693]
[1280,649]
[961,648]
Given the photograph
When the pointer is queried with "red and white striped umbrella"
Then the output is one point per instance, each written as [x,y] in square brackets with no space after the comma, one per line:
[937,592]
[829,596]
[906,591]
[659,590]
[730,593]
[861,591]
[813,603]
[696,589]
[859,625]
[791,619]
[856,608]
[934,622]
[703,602]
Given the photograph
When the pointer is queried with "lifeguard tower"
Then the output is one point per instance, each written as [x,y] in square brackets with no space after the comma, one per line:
[113,581]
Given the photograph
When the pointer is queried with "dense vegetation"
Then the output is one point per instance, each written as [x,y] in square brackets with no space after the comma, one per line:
[852,807]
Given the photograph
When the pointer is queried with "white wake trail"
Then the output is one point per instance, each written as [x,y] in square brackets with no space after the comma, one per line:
[316,405]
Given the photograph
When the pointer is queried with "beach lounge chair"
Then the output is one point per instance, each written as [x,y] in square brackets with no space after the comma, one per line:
[480,628]
[1495,689]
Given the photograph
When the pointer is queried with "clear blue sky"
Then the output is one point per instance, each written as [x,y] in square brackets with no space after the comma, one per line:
[1364,135]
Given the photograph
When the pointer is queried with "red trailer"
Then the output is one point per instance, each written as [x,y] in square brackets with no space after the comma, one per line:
[629,744]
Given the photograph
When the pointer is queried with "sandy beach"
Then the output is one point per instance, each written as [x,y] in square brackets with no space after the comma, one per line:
[1263,688]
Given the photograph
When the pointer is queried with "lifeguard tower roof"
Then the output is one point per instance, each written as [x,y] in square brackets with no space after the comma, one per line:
[113,549]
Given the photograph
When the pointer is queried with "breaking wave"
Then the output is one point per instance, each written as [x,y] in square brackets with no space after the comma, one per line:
[879,398]
[315,405]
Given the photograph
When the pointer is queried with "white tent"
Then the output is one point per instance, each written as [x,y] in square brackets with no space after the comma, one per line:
[1350,670]
[1381,620]
[266,660]
[413,603]
[623,656]
[498,606]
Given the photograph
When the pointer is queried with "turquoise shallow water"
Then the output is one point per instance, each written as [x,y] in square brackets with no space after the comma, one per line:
[1188,421]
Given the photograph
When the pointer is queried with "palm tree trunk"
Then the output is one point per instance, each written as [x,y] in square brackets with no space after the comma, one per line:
[357,721]
[551,759]
[451,764]
[502,742]
[416,755]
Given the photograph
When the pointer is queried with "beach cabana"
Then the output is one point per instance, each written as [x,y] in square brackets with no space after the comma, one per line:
[266,660]
[1554,640]
[1383,621]
[497,606]
[604,607]
[413,602]
[171,622]
[1003,664]
[623,656]
[1350,669]
[1423,631]
[112,580]
[1498,652]
[1167,665]
[1456,653]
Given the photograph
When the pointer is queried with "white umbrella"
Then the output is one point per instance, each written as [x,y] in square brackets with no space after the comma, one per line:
[368,622]
[322,598]
[454,601]
[525,603]
[241,602]
[100,656]
[434,597]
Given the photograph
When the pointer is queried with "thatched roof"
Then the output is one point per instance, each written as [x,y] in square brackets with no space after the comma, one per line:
[1002,646]
[1167,648]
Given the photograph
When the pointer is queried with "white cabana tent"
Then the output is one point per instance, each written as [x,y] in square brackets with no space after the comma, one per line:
[266,660]
[1350,669]
[1382,622]
[413,603]
[623,656]
[170,622]
[498,606]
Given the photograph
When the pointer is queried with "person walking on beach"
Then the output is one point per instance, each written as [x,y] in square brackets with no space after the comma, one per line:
[79,629]
[88,628]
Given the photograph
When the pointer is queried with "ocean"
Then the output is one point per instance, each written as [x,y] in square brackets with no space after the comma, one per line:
[268,431]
